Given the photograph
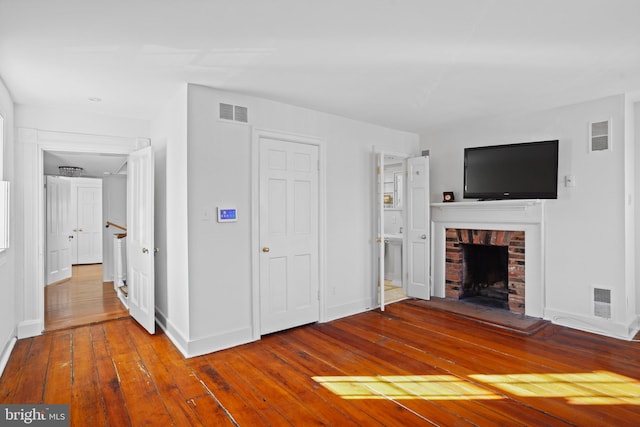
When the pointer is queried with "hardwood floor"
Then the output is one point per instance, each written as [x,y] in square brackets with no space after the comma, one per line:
[410,365]
[82,300]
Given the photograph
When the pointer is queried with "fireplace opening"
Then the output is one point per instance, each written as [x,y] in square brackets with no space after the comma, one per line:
[485,277]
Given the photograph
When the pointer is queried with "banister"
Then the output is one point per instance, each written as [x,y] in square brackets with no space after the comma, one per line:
[115,225]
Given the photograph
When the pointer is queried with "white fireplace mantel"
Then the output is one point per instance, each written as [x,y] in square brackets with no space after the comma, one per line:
[514,215]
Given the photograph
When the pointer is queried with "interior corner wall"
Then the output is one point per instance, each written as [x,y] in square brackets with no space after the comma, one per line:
[585,226]
[219,173]
[636,127]
[8,258]
[169,144]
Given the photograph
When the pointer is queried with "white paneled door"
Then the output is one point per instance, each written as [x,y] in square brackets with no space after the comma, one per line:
[89,225]
[289,274]
[140,239]
[418,227]
[59,232]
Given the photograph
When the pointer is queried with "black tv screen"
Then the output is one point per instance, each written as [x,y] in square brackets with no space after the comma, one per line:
[514,171]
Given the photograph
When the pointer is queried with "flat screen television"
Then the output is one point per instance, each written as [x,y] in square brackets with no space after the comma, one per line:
[514,171]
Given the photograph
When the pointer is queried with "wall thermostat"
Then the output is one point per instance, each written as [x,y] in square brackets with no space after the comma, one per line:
[227,215]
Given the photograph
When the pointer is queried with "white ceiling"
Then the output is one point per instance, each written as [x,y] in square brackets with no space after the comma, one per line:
[407,64]
[93,165]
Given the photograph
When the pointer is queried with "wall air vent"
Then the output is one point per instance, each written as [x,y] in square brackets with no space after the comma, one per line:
[234,113]
[241,114]
[602,303]
[600,136]
[226,111]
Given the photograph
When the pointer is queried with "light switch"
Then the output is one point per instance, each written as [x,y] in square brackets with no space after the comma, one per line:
[206,214]
[569,181]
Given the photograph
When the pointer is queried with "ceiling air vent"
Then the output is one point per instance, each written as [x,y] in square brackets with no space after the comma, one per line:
[600,136]
[602,303]
[234,113]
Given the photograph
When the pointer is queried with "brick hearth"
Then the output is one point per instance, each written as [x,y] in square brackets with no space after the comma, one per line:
[514,240]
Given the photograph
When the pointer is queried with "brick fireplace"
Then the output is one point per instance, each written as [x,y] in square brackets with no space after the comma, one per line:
[457,268]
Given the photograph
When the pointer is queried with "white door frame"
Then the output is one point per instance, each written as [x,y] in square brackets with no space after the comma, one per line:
[258,133]
[378,261]
[32,145]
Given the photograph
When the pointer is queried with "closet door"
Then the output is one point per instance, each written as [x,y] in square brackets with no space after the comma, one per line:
[59,230]
[89,224]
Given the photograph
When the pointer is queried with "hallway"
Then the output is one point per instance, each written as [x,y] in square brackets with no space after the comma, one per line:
[82,300]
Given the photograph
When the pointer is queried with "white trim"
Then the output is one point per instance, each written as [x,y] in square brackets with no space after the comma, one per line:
[349,309]
[258,133]
[515,215]
[30,328]
[6,353]
[34,143]
[594,325]
[630,273]
[403,157]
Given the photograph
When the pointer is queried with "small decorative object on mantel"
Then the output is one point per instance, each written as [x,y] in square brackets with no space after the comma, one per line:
[447,196]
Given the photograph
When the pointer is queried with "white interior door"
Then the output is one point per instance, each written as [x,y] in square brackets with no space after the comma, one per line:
[289,201]
[140,239]
[379,284]
[418,227]
[59,234]
[89,225]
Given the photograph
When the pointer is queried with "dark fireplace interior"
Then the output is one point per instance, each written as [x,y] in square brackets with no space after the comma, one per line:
[485,277]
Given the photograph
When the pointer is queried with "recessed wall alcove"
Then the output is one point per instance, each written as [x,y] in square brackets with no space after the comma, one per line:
[516,224]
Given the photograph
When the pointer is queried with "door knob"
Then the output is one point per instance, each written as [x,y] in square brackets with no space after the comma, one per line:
[424,236]
[265,249]
[70,237]
[145,250]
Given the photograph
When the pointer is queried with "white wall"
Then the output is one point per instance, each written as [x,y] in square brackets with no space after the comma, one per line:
[585,226]
[636,142]
[219,171]
[8,260]
[169,143]
[61,120]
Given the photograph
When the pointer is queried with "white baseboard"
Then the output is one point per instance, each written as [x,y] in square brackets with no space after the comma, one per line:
[6,353]
[594,325]
[219,342]
[174,334]
[344,310]
[200,346]
[30,328]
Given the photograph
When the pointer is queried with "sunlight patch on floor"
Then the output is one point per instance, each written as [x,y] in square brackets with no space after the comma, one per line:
[594,388]
[398,387]
[590,388]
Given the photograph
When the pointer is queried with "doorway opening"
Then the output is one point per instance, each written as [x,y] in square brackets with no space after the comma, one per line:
[402,249]
[393,182]
[79,250]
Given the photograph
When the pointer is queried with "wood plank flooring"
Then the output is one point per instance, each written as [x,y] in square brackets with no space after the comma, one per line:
[410,365]
[81,300]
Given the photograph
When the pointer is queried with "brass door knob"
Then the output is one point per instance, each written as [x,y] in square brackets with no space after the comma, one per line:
[265,249]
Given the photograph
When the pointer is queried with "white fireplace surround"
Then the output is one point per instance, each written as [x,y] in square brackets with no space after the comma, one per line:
[512,215]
